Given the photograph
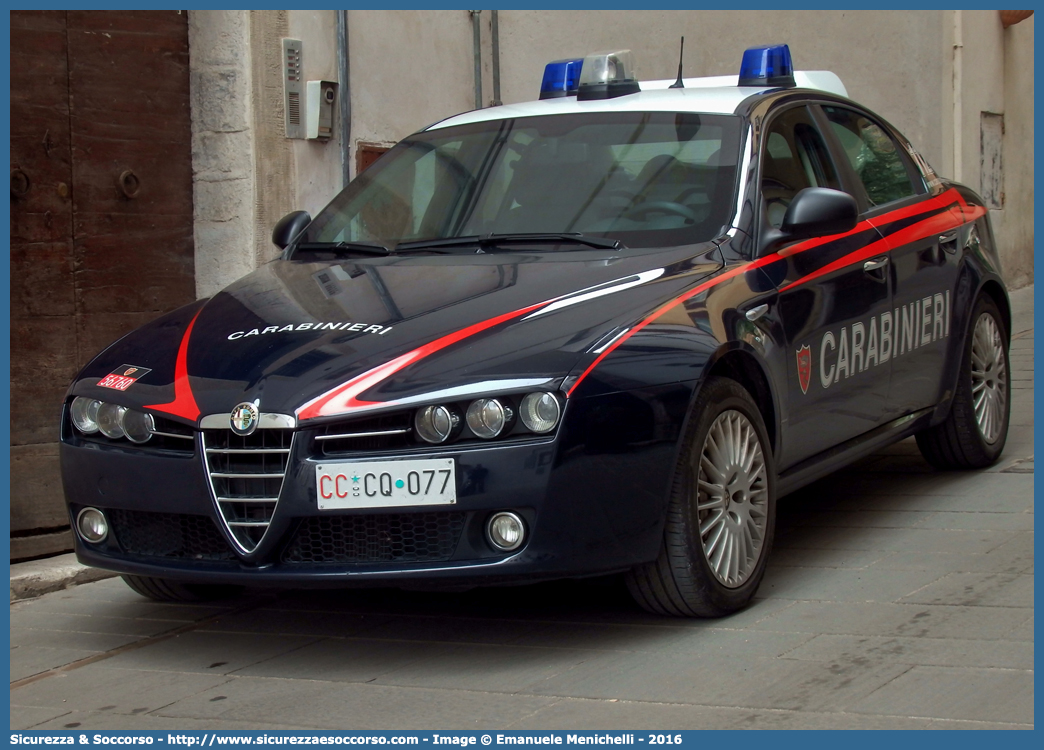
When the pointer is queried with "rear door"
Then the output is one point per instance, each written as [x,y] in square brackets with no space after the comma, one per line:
[921,232]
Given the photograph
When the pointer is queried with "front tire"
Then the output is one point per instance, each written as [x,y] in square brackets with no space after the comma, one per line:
[166,590]
[721,514]
[975,430]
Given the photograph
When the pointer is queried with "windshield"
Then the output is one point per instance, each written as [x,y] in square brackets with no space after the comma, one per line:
[646,179]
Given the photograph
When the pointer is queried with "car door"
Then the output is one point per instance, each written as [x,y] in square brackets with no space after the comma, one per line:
[833,292]
[921,231]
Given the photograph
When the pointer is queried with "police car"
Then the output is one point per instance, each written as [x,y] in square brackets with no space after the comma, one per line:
[599,332]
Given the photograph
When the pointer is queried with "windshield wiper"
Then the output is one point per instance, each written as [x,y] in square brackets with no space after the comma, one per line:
[360,248]
[516,238]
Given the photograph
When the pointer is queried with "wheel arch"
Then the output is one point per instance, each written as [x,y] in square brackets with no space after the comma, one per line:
[992,288]
[746,369]
[996,292]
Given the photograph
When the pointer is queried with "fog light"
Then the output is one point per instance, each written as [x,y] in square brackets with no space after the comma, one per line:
[92,525]
[506,531]
[540,411]
[435,424]
[110,420]
[487,417]
[84,414]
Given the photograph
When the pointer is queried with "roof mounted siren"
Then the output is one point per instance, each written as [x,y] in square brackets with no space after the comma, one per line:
[561,78]
[767,66]
[607,75]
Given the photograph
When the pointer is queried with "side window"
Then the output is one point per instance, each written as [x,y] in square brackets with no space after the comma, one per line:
[794,157]
[874,155]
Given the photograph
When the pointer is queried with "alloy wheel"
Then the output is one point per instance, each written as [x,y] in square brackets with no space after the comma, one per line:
[732,498]
[989,374]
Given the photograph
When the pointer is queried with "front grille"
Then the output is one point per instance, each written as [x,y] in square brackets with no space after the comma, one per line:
[246,476]
[392,537]
[389,432]
[169,535]
[172,436]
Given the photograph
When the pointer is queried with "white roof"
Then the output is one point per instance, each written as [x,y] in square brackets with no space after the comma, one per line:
[713,95]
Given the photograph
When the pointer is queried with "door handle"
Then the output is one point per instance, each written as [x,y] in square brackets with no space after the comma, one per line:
[948,241]
[875,268]
[756,312]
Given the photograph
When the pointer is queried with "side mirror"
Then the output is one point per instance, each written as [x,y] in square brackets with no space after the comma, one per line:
[818,212]
[289,227]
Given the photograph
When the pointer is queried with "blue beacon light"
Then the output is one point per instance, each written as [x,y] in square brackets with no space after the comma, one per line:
[561,78]
[767,66]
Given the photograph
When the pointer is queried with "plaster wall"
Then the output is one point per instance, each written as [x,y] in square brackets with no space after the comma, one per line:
[408,69]
[996,76]
[412,68]
[983,89]
[889,61]
[1017,239]
[317,164]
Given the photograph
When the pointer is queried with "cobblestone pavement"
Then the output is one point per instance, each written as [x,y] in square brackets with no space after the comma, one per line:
[896,597]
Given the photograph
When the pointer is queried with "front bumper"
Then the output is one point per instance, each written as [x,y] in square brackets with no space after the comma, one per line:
[590,505]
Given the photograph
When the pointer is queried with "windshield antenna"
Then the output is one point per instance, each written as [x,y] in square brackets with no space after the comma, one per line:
[679,84]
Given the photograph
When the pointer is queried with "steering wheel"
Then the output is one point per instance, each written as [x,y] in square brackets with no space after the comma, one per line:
[690,192]
[619,194]
[665,207]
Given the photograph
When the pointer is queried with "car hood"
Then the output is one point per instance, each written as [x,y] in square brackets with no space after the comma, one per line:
[321,340]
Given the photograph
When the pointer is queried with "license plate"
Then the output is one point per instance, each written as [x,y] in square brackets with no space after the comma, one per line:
[385,484]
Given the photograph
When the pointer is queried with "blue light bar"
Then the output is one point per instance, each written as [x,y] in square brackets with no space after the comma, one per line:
[561,78]
[767,66]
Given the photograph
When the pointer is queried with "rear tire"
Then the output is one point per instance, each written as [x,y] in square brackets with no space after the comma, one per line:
[976,428]
[166,590]
[721,515]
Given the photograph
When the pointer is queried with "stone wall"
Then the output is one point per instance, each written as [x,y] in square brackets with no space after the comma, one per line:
[223,166]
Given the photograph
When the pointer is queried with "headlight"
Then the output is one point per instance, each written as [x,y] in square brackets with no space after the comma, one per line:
[487,417]
[540,412]
[110,420]
[138,426]
[84,413]
[90,415]
[490,418]
[435,424]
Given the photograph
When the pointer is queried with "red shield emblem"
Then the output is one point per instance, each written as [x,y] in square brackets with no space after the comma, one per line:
[804,367]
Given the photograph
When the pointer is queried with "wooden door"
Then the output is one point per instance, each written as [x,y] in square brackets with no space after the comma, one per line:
[101,219]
